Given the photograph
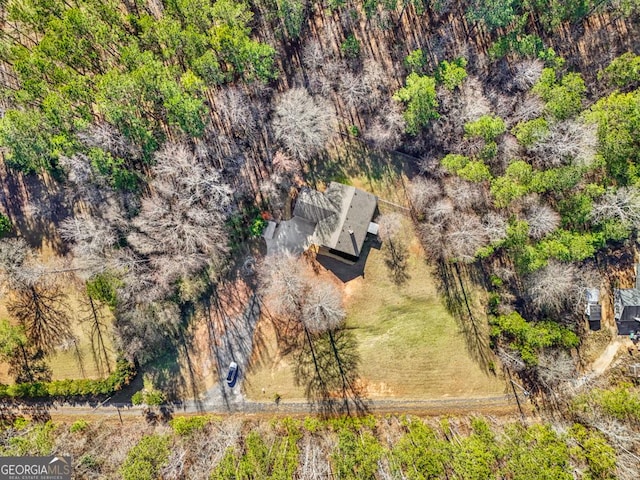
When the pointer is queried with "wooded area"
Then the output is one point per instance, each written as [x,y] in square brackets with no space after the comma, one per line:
[146,142]
[367,447]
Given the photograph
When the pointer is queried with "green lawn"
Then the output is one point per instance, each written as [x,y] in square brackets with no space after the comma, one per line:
[410,345]
[72,364]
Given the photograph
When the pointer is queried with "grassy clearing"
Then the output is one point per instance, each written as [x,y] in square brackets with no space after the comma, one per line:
[271,373]
[410,345]
[69,363]
[66,364]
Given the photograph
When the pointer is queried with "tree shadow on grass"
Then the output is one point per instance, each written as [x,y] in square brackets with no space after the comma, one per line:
[327,367]
[165,374]
[166,371]
[396,255]
[8,414]
[37,411]
[453,285]
[171,370]
[36,204]
[358,160]
[157,415]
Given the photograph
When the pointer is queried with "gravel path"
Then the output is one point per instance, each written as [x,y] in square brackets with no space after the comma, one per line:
[604,360]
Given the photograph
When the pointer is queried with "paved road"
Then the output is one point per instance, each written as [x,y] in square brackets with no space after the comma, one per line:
[497,405]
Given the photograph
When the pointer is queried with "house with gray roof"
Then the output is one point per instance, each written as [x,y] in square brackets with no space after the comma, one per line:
[342,217]
[336,221]
[626,308]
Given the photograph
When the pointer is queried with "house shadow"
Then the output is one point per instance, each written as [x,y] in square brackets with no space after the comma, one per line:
[346,272]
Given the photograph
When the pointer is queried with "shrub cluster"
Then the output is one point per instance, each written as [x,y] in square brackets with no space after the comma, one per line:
[121,376]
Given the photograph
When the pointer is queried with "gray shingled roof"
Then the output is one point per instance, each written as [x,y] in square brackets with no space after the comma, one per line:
[592,295]
[342,215]
[626,303]
[595,312]
[629,296]
[623,299]
[358,208]
[314,206]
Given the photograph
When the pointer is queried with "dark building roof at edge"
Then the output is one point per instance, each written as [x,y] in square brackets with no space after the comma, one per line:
[595,312]
[627,309]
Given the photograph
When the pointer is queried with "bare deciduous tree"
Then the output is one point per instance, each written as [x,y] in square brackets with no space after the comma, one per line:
[312,56]
[333,69]
[469,146]
[387,128]
[15,254]
[107,137]
[453,235]
[473,102]
[508,149]
[234,108]
[495,226]
[503,105]
[432,236]
[430,165]
[180,227]
[320,85]
[143,330]
[78,168]
[93,239]
[555,368]
[570,142]
[527,73]
[627,465]
[622,205]
[423,192]
[354,91]
[303,123]
[283,280]
[440,211]
[466,195]
[314,461]
[209,446]
[389,226]
[511,359]
[542,219]
[323,309]
[551,288]
[464,237]
[376,78]
[284,164]
[531,106]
